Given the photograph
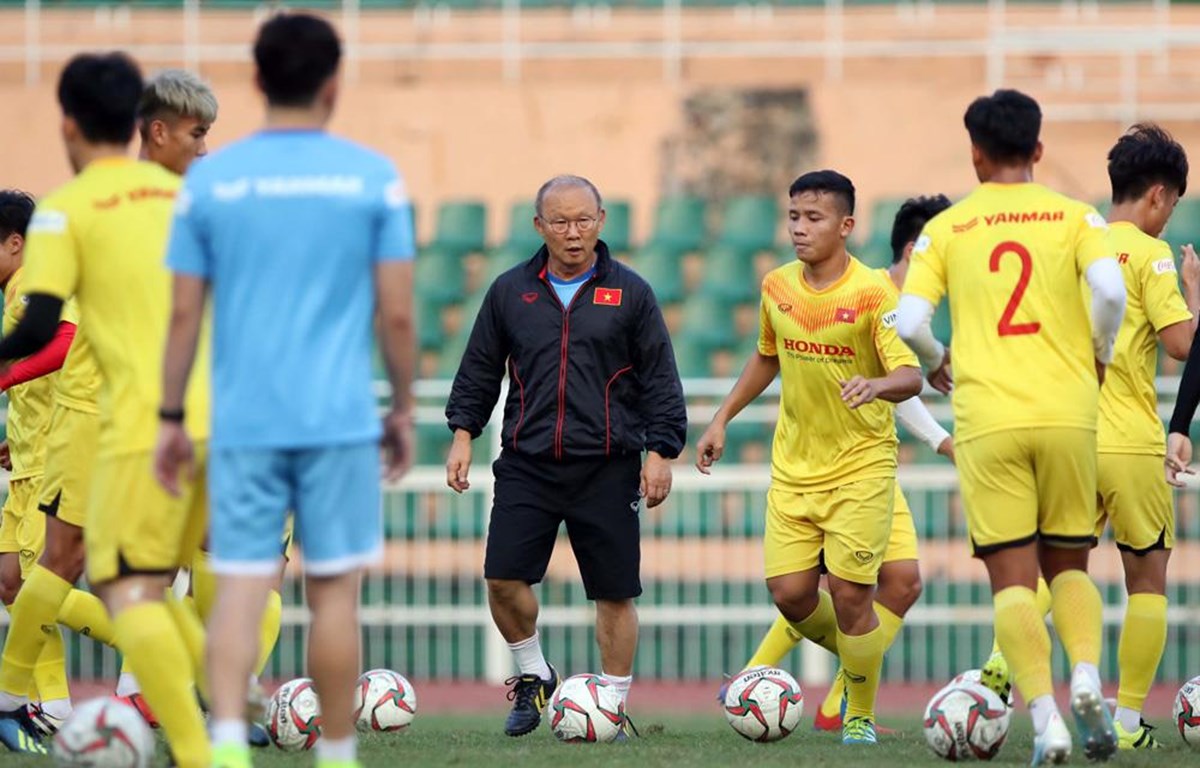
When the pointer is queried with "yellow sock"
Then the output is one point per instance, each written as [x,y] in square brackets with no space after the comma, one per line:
[36,606]
[1143,636]
[150,639]
[862,661]
[188,625]
[821,625]
[1078,616]
[204,585]
[1024,640]
[777,643]
[890,624]
[50,672]
[1043,602]
[85,613]
[269,630]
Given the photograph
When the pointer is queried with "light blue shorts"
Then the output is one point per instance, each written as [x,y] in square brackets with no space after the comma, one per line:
[334,492]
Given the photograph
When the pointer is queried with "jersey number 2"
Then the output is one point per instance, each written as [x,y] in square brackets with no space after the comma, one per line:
[1006,326]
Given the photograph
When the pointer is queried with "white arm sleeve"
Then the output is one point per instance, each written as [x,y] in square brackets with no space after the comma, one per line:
[917,419]
[1108,305]
[912,324]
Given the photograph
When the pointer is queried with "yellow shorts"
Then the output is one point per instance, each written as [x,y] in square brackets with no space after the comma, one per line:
[902,544]
[22,527]
[134,526]
[70,457]
[850,524]
[1021,485]
[1132,495]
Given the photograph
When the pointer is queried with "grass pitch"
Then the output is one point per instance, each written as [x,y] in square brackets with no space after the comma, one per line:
[691,742]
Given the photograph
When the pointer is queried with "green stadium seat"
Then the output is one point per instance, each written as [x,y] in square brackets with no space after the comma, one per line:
[729,274]
[438,275]
[662,268]
[877,243]
[692,357]
[750,223]
[429,322]
[707,320]
[1184,226]
[679,223]
[461,226]
[521,234]
[503,259]
[617,226]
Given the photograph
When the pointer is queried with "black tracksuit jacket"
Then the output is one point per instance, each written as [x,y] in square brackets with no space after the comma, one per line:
[593,379]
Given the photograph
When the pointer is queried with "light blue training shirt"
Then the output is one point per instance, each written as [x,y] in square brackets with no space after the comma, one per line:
[566,289]
[287,227]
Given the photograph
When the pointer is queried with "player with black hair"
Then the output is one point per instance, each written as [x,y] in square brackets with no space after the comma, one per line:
[1028,363]
[828,329]
[100,238]
[1148,170]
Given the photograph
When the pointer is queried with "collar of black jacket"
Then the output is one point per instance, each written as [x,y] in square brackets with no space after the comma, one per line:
[537,265]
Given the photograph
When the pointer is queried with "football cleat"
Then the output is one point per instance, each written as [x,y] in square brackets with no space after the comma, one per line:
[995,675]
[1093,719]
[859,730]
[46,723]
[19,734]
[1140,738]
[1053,745]
[529,695]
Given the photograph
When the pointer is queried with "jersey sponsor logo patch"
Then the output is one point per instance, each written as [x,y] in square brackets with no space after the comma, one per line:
[845,315]
[51,222]
[530,297]
[1095,220]
[1163,266]
[609,297]
[966,226]
[785,308]
[817,348]
[395,195]
[922,244]
[863,556]
[889,319]
[1122,258]
[1026,217]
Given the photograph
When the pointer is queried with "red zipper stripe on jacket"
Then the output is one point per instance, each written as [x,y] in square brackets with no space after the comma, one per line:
[562,368]
[607,424]
[521,389]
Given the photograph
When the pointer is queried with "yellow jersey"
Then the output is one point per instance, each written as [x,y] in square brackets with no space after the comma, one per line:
[79,380]
[29,404]
[1129,421]
[1011,257]
[823,338]
[101,238]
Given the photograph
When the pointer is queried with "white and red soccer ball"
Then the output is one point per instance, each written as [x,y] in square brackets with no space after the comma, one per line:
[586,708]
[966,721]
[764,704]
[104,733]
[1186,712]
[294,716]
[384,701]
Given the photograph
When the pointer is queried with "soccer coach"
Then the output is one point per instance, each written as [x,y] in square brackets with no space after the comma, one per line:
[592,385]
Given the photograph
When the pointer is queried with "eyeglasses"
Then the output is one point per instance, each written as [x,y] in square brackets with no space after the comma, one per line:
[562,226]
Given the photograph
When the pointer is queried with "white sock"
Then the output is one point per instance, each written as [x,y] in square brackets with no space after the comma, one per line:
[1130,719]
[1093,673]
[127,685]
[622,684]
[229,732]
[343,750]
[1042,708]
[530,660]
[8,702]
[58,708]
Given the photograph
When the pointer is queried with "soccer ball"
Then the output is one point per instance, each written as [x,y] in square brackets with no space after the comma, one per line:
[1186,712]
[976,676]
[764,704]
[384,701]
[586,708]
[294,716]
[966,721]
[104,733]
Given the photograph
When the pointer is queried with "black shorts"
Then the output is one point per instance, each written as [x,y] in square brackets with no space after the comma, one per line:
[597,498]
